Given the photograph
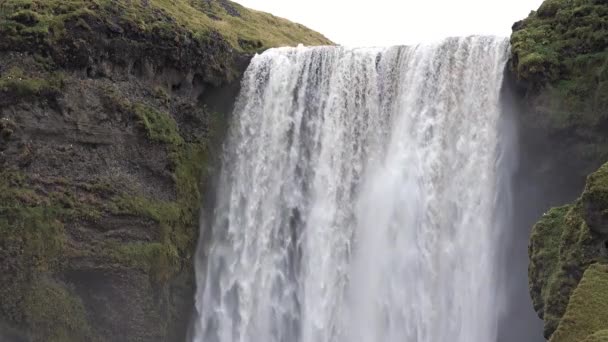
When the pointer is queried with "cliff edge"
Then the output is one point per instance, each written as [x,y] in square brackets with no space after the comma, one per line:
[560,67]
[109,114]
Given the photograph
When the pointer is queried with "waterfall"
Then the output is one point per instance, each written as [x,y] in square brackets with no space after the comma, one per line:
[358,198]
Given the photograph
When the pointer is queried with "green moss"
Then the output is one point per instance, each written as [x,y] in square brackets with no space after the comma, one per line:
[587,309]
[562,246]
[545,254]
[561,53]
[160,260]
[33,237]
[161,127]
[45,21]
[177,220]
[17,83]
[54,314]
[29,221]
[158,211]
[600,336]
[596,190]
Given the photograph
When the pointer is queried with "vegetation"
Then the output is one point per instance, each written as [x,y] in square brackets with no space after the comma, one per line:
[37,21]
[31,224]
[600,336]
[31,230]
[561,53]
[17,83]
[596,192]
[585,318]
[56,314]
[60,57]
[544,251]
[562,246]
[160,127]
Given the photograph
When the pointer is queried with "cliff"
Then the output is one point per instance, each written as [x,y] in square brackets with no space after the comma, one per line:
[110,112]
[560,67]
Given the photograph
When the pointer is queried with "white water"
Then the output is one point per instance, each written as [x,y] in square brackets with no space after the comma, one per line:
[357,200]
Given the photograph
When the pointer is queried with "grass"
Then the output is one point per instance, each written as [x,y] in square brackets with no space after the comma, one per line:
[17,83]
[160,127]
[244,29]
[562,49]
[585,317]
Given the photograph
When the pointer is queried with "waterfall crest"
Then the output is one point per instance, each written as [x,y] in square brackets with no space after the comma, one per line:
[357,200]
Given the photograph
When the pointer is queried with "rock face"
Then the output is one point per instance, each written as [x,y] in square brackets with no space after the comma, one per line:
[560,62]
[560,67]
[562,247]
[110,113]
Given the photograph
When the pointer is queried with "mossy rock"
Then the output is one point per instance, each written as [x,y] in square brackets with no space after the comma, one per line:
[562,246]
[54,314]
[560,54]
[586,316]
[595,201]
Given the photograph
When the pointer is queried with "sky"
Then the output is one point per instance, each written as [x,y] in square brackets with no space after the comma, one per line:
[399,22]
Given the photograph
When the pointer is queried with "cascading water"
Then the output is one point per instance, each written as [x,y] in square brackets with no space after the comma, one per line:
[358,198]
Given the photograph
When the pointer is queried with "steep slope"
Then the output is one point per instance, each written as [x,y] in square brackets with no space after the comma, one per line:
[560,60]
[560,66]
[562,246]
[109,112]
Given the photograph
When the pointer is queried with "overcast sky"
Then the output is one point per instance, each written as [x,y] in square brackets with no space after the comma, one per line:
[395,22]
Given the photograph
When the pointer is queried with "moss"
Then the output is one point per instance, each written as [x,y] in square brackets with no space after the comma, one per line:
[544,253]
[161,127]
[7,128]
[600,336]
[160,260]
[562,246]
[45,21]
[177,220]
[587,309]
[158,211]
[16,83]
[596,190]
[162,94]
[32,240]
[29,221]
[55,314]
[561,53]
[558,257]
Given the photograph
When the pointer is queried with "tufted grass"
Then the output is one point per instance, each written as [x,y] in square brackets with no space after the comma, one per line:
[244,29]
